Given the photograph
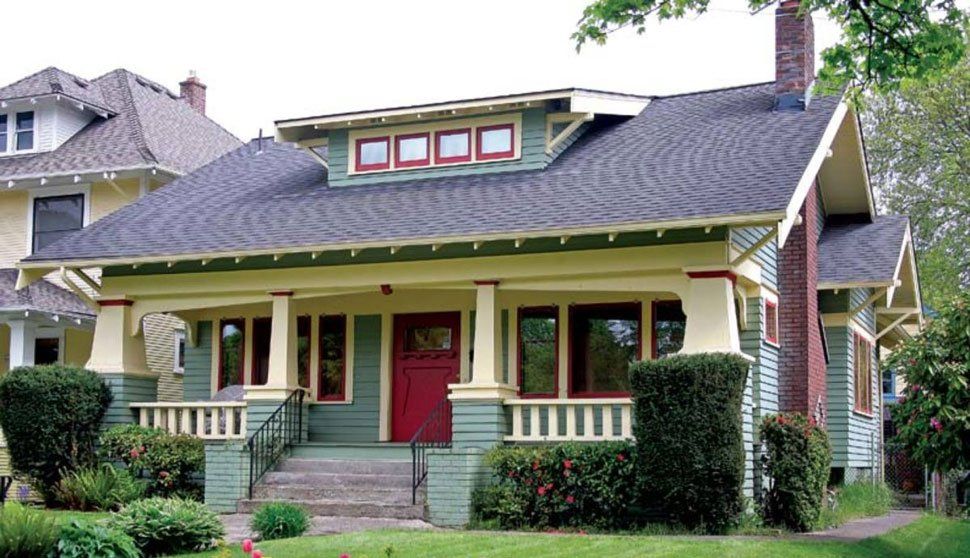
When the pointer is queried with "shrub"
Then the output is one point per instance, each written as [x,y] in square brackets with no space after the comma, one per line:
[280,521]
[51,416]
[168,525]
[83,539]
[102,488]
[26,533]
[560,485]
[170,462]
[797,460]
[688,428]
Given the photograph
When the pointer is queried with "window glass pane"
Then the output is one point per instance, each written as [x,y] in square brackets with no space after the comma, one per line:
[333,337]
[231,352]
[669,323]
[25,130]
[46,351]
[55,217]
[303,350]
[537,350]
[495,141]
[262,330]
[771,322]
[453,144]
[605,342]
[25,121]
[434,338]
[3,133]
[180,350]
[412,149]
[373,152]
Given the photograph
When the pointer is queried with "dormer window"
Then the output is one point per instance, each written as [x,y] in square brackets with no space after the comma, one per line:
[453,146]
[495,142]
[373,154]
[24,139]
[411,150]
[3,133]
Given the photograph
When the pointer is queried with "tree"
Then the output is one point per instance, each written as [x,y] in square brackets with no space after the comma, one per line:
[883,41]
[933,416]
[918,141]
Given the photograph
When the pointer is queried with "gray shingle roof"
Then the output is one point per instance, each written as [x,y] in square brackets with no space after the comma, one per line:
[861,252]
[54,81]
[701,155]
[152,128]
[42,296]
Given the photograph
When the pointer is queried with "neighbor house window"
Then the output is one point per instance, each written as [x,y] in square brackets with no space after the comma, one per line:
[412,150]
[24,139]
[863,374]
[262,333]
[373,154]
[669,323]
[333,358]
[538,351]
[3,133]
[495,142]
[232,335]
[56,217]
[771,321]
[604,340]
[178,359]
[453,146]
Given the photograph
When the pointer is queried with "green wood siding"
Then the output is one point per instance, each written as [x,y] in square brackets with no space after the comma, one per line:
[127,389]
[761,395]
[854,436]
[745,237]
[360,420]
[226,475]
[197,381]
[866,317]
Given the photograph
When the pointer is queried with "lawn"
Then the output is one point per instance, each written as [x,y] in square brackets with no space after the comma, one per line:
[930,536]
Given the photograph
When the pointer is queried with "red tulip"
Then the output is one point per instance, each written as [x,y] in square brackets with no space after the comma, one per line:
[247,546]
[257,553]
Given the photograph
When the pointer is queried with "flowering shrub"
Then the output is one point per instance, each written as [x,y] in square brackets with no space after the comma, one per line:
[797,460]
[560,486]
[169,462]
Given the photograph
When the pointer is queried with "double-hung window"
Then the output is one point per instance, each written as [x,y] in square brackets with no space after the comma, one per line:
[333,358]
[232,336]
[538,351]
[56,217]
[862,364]
[3,133]
[24,133]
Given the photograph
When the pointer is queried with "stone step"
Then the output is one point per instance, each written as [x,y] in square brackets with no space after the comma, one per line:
[377,494]
[360,467]
[336,479]
[361,451]
[343,508]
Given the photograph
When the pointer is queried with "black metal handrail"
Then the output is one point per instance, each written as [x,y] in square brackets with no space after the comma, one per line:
[435,432]
[281,430]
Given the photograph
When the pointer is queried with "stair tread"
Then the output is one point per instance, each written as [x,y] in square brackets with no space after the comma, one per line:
[334,501]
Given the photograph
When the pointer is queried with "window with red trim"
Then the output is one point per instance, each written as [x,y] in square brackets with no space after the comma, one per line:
[453,146]
[373,154]
[495,142]
[538,351]
[862,365]
[232,336]
[333,358]
[412,150]
[604,339]
[669,322]
[771,321]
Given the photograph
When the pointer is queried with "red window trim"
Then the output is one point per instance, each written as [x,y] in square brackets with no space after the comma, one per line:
[653,322]
[569,359]
[439,160]
[359,167]
[774,305]
[398,163]
[241,324]
[522,313]
[342,396]
[499,155]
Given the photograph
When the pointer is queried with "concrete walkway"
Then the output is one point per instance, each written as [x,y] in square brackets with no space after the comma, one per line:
[237,525]
[859,529]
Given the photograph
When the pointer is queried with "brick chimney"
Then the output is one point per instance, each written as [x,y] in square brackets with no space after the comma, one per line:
[192,91]
[794,56]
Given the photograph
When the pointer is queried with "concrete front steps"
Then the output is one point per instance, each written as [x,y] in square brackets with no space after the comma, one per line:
[375,488]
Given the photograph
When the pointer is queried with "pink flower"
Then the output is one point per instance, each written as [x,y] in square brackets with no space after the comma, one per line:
[257,553]
[247,546]
[163,475]
[345,555]
[541,491]
[570,499]
[936,424]
[916,388]
[566,473]
[621,457]
[134,454]
[535,465]
[567,464]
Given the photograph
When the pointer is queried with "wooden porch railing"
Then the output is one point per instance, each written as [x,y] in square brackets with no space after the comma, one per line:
[216,420]
[573,420]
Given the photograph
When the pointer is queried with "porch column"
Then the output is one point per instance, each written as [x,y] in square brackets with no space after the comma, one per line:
[282,375]
[23,335]
[712,324]
[486,376]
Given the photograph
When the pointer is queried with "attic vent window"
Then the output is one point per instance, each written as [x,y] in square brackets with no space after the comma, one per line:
[453,146]
[411,150]
[373,154]
[495,142]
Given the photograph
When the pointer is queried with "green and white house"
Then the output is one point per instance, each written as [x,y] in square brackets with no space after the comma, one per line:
[389,293]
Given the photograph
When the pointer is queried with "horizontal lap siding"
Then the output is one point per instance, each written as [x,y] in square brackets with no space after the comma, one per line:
[360,420]
[854,437]
[767,256]
[197,380]
[867,316]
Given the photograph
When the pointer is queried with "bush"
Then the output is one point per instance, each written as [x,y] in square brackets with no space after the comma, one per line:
[26,533]
[51,416]
[688,428]
[169,462]
[797,460]
[280,521]
[102,488]
[83,539]
[560,485]
[168,525]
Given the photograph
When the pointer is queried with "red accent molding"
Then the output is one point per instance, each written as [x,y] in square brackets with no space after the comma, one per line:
[716,274]
[386,289]
[116,302]
[439,159]
[488,282]
[281,293]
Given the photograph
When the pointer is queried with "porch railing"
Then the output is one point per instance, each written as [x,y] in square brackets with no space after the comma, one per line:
[211,420]
[578,420]
[282,430]
[435,432]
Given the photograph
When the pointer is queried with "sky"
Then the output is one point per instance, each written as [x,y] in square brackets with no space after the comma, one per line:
[266,61]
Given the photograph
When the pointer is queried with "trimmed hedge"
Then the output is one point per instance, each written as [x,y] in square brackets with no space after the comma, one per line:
[562,485]
[689,436]
[51,416]
[797,460]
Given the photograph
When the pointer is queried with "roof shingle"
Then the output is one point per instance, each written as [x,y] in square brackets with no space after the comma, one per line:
[861,252]
[41,296]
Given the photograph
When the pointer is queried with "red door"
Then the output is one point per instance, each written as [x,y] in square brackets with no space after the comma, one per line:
[427,356]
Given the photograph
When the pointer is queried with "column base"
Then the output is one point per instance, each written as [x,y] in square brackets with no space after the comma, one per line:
[481,392]
[269,393]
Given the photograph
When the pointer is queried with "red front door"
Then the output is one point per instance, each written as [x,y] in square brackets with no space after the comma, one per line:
[427,356]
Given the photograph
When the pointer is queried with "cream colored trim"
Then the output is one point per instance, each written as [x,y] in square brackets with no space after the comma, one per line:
[216,351]
[318,157]
[464,373]
[87,300]
[893,325]
[387,349]
[857,328]
[850,285]
[563,368]
[481,392]
[898,310]
[646,329]
[575,122]
[876,295]
[349,358]
[753,249]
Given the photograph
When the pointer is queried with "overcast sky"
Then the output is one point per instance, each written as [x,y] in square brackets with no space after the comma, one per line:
[264,61]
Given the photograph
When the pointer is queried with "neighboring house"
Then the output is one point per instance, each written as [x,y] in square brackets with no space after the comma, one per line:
[482,271]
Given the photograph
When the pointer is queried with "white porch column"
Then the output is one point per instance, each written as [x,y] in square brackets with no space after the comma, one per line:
[114,349]
[712,324]
[486,375]
[23,335]
[282,375]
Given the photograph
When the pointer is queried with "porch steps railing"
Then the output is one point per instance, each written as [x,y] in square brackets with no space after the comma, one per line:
[435,432]
[281,431]
[576,420]
[210,420]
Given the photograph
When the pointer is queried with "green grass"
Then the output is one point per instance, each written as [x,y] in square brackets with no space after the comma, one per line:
[929,536]
[65,516]
[857,500]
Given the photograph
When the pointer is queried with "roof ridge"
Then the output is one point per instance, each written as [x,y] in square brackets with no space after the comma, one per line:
[134,119]
[714,90]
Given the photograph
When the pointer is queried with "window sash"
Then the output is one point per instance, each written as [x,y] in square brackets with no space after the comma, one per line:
[3,133]
[578,354]
[333,358]
[24,139]
[440,157]
[400,145]
[46,228]
[384,163]
[527,345]
[862,365]
[771,321]
[676,340]
[483,155]
[226,373]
